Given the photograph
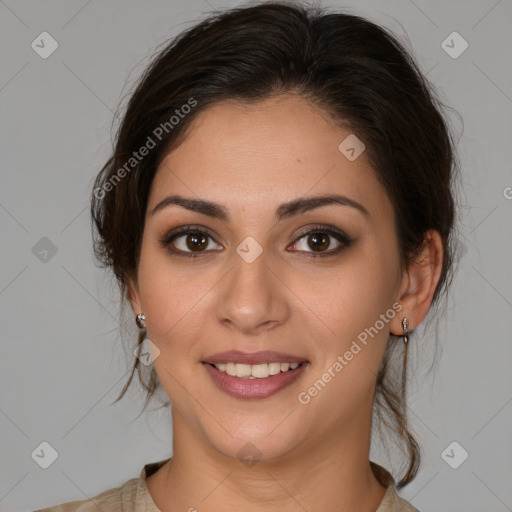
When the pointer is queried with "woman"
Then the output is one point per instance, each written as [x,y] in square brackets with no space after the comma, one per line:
[278,212]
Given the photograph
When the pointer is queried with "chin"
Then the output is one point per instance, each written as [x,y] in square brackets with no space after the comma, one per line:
[250,445]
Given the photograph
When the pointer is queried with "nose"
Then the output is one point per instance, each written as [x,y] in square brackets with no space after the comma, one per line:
[252,298]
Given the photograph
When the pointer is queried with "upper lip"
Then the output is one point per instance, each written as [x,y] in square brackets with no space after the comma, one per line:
[268,356]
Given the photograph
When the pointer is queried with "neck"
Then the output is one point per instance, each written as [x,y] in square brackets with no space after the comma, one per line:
[331,474]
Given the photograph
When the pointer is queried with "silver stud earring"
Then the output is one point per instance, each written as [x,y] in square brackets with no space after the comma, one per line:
[405,326]
[140,320]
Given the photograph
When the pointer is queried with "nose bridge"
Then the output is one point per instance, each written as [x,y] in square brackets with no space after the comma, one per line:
[251,295]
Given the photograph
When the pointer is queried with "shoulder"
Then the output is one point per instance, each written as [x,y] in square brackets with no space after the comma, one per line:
[394,503]
[111,500]
[132,496]
[391,502]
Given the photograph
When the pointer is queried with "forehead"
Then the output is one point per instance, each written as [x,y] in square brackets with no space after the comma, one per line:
[271,151]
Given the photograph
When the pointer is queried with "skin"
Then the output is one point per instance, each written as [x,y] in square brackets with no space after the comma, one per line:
[252,158]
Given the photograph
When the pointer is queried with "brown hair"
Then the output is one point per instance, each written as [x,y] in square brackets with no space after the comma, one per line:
[350,67]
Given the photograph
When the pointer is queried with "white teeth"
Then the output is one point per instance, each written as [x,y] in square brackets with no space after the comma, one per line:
[260,371]
[231,369]
[274,368]
[255,371]
[243,370]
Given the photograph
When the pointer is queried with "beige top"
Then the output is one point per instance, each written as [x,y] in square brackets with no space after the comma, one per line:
[133,495]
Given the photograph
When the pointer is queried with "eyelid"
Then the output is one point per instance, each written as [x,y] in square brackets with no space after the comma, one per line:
[173,234]
[344,239]
[324,228]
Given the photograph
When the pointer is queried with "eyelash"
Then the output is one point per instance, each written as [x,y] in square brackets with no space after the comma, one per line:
[340,236]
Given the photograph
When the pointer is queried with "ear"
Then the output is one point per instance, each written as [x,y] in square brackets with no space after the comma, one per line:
[132,294]
[419,282]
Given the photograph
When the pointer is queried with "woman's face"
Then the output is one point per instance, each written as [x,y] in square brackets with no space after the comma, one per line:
[269,277]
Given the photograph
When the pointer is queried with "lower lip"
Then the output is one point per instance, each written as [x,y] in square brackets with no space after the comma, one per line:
[253,388]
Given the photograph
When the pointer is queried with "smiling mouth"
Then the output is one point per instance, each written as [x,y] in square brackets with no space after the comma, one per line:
[261,385]
[255,371]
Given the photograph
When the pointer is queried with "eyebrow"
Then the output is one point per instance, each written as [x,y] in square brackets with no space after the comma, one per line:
[284,211]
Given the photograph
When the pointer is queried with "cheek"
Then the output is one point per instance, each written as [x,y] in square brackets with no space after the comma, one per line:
[169,298]
[176,299]
[356,316]
[355,308]
[353,296]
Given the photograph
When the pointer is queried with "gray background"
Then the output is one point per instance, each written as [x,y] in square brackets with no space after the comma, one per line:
[62,363]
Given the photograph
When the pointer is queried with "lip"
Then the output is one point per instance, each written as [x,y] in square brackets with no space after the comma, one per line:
[254,388]
[267,356]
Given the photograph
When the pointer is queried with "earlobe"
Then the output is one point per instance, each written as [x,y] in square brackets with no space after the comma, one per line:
[420,281]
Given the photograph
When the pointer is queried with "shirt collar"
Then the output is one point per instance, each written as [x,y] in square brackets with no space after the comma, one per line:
[142,501]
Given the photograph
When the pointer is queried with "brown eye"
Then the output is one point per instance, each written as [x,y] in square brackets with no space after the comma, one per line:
[189,242]
[318,241]
[196,242]
[322,242]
